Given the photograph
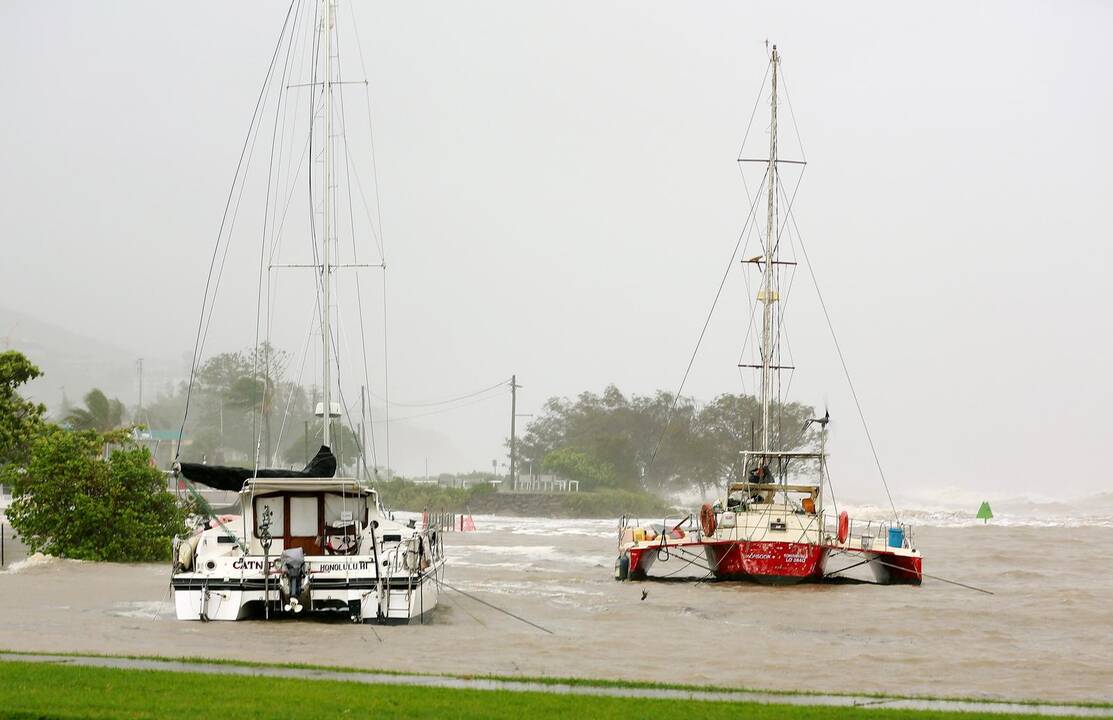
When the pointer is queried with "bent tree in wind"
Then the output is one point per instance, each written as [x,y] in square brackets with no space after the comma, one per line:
[99,413]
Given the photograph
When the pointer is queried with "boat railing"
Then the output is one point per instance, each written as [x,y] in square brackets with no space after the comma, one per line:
[625,522]
[866,534]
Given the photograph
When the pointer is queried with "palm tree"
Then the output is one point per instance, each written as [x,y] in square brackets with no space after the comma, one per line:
[99,413]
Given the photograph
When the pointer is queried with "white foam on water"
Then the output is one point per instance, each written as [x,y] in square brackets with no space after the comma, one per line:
[37,560]
[533,589]
[1006,514]
[526,550]
[529,554]
[540,526]
[144,609]
[456,562]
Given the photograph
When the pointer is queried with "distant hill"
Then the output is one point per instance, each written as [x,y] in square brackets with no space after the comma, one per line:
[76,361]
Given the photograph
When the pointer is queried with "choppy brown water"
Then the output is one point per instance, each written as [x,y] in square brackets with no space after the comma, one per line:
[1045,633]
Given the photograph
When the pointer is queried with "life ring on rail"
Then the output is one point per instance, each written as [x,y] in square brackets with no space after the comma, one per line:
[707,519]
[844,526]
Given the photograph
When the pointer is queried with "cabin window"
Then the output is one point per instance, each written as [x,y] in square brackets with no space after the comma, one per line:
[278,515]
[303,516]
[342,510]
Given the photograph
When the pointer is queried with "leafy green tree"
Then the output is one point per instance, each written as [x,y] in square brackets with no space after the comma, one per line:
[20,419]
[659,442]
[70,502]
[577,465]
[99,414]
[241,396]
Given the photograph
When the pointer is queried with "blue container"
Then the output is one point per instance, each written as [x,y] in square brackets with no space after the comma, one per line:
[896,537]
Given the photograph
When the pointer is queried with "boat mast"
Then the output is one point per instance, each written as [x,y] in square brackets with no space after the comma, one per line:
[768,294]
[326,266]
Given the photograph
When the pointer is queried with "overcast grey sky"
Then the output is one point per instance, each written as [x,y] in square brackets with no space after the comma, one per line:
[560,196]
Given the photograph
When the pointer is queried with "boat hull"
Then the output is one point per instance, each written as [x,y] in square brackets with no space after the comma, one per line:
[778,563]
[404,600]
[774,563]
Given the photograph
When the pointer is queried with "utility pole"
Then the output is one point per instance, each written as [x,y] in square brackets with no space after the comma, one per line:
[139,410]
[513,437]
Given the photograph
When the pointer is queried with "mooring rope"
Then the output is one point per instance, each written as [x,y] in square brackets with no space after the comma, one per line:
[496,607]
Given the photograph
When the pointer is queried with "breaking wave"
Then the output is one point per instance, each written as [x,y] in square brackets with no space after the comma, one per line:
[38,560]
[1095,511]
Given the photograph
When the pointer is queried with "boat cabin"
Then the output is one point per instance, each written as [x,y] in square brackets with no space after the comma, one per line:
[794,477]
[320,516]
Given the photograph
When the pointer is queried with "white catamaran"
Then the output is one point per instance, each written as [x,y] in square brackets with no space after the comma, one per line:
[300,542]
[773,525]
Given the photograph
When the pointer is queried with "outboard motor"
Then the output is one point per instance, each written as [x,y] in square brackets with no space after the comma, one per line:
[294,584]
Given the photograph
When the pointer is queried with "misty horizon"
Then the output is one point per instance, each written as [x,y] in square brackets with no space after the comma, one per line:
[560,195]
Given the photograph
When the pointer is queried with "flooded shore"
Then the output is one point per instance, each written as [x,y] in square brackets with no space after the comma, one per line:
[1040,635]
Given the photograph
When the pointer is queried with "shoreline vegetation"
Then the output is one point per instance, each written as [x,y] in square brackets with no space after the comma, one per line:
[29,689]
[483,499]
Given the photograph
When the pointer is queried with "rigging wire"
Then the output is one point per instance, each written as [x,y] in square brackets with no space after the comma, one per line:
[386,375]
[379,215]
[845,369]
[746,228]
[290,397]
[703,331]
[355,254]
[261,407]
[248,142]
[791,114]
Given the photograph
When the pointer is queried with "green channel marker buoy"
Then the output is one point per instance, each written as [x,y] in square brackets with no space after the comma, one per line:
[984,513]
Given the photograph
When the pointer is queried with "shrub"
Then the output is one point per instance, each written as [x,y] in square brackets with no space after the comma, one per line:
[71,502]
[405,495]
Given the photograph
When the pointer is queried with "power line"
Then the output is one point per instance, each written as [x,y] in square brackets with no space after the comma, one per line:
[447,401]
[447,409]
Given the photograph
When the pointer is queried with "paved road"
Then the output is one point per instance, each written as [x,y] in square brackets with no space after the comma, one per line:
[373,678]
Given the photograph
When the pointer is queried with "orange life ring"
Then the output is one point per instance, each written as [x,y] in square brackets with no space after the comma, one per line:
[844,526]
[707,519]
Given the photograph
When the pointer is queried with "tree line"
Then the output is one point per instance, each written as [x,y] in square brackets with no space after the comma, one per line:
[655,442]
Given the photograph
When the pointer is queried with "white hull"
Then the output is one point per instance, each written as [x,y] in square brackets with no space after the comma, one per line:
[403,598]
[334,551]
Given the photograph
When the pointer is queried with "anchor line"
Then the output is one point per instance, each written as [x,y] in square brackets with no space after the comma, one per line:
[439,579]
[849,567]
[941,579]
[693,559]
[496,607]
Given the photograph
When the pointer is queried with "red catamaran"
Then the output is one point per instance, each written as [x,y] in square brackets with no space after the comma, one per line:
[773,526]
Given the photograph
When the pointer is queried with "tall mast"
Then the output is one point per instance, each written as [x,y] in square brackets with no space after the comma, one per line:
[326,267]
[768,294]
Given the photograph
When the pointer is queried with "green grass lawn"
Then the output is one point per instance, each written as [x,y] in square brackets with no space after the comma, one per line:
[36,690]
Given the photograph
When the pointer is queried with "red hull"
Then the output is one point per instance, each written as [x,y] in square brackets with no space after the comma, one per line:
[765,561]
[904,570]
[780,563]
